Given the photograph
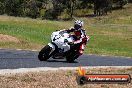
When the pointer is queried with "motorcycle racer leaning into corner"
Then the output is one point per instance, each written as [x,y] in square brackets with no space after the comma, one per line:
[79,35]
[66,43]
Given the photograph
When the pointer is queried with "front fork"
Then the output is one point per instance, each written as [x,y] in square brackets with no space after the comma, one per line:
[52,47]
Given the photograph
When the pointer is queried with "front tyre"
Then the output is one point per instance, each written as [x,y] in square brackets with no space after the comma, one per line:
[44,54]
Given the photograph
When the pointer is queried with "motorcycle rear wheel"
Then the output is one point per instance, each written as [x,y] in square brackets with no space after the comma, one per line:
[71,56]
[44,54]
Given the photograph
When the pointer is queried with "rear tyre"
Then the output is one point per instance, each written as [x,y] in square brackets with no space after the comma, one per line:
[71,56]
[44,54]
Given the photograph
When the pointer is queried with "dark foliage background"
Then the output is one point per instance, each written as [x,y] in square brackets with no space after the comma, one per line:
[59,9]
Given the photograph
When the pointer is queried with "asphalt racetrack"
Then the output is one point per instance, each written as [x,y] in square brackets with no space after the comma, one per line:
[14,59]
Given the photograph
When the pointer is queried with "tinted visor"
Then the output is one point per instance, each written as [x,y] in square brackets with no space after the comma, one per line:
[77,26]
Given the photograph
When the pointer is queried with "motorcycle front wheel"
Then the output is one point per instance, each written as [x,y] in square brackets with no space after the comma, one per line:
[44,54]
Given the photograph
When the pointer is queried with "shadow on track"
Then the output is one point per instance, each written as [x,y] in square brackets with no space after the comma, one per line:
[60,61]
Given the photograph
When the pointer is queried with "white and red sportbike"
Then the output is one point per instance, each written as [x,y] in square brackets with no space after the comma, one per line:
[60,47]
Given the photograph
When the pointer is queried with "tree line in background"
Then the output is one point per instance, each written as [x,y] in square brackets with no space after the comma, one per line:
[55,9]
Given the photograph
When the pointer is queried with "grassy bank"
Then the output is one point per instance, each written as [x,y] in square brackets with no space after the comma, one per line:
[59,79]
[109,35]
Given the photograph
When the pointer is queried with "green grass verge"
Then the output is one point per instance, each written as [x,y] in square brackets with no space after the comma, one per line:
[109,35]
